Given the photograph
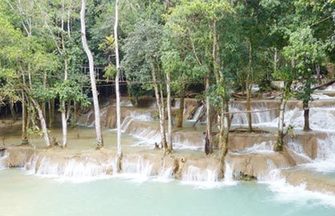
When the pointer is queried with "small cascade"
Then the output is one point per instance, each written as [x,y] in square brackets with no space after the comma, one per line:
[165,175]
[325,160]
[263,147]
[229,177]
[126,103]
[139,169]
[75,169]
[259,116]
[86,119]
[198,113]
[321,118]
[3,161]
[148,133]
[126,122]
[202,178]
[273,174]
[139,116]
[330,88]
[298,149]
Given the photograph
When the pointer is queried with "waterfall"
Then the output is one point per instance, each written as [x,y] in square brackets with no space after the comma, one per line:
[258,117]
[263,147]
[207,178]
[125,123]
[165,175]
[321,118]
[3,161]
[325,160]
[228,177]
[79,169]
[139,168]
[198,113]
[196,174]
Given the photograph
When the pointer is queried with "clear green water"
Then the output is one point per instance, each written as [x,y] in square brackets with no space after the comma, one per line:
[27,195]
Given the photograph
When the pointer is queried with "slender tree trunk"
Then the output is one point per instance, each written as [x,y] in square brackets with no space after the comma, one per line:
[92,76]
[318,73]
[51,112]
[12,111]
[42,122]
[163,117]
[225,138]
[63,108]
[43,107]
[306,116]
[208,143]
[159,107]
[169,133]
[249,111]
[24,121]
[25,116]
[280,139]
[117,90]
[180,115]
[248,89]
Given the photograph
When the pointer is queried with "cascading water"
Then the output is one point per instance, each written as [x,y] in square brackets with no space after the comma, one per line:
[140,169]
[198,113]
[263,147]
[196,174]
[76,169]
[260,115]
[3,161]
[229,177]
[325,160]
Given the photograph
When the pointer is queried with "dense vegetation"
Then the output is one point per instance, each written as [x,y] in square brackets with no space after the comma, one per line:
[167,48]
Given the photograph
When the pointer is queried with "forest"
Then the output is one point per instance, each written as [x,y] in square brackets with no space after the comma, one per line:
[61,58]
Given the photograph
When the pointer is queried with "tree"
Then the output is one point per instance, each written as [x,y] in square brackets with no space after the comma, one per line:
[92,76]
[117,90]
[142,63]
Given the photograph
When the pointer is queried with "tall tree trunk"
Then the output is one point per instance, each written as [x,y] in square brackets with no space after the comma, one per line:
[208,143]
[318,73]
[248,89]
[63,108]
[306,116]
[225,137]
[92,76]
[42,122]
[24,121]
[12,110]
[163,117]
[25,116]
[43,107]
[280,139]
[249,111]
[159,107]
[51,105]
[117,90]
[180,114]
[169,133]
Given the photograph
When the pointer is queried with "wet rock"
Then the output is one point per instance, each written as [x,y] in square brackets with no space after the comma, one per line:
[312,180]
[256,165]
[18,156]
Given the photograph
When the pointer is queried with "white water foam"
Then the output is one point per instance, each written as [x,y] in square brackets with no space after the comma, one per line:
[263,147]
[240,117]
[229,177]
[325,160]
[3,161]
[68,169]
[197,113]
[201,178]
[285,192]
